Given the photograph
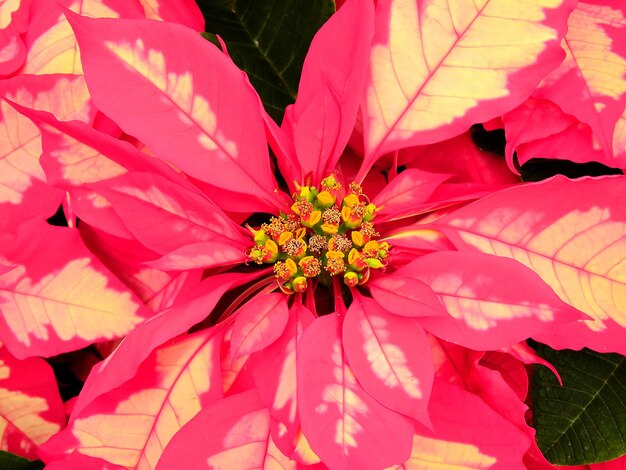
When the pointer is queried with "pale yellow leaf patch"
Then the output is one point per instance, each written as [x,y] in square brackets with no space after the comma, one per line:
[23,412]
[20,139]
[151,9]
[444,59]
[580,256]
[5,371]
[387,360]
[588,48]
[245,443]
[56,50]
[81,164]
[20,147]
[73,301]
[348,403]
[7,7]
[435,454]
[479,314]
[287,382]
[179,90]
[137,431]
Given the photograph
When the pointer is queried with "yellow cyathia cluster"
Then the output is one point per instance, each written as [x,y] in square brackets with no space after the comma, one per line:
[323,236]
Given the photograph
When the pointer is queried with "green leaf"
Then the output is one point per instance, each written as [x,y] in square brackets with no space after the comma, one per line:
[584,421]
[269,40]
[10,461]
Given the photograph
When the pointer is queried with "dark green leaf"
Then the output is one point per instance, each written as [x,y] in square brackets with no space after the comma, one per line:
[584,421]
[269,40]
[10,461]
[538,169]
[489,141]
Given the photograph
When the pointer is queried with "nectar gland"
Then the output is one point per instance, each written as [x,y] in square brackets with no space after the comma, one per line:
[325,235]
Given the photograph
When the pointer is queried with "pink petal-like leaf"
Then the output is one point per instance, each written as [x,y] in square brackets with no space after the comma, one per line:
[330,89]
[75,154]
[208,254]
[576,143]
[59,296]
[121,365]
[178,109]
[31,410]
[405,192]
[127,259]
[534,119]
[230,433]
[512,371]
[524,353]
[278,389]
[390,357]
[467,435]
[406,296]
[494,52]
[259,323]
[593,70]
[13,18]
[344,425]
[166,216]
[417,239]
[236,375]
[460,157]
[132,424]
[493,302]
[573,235]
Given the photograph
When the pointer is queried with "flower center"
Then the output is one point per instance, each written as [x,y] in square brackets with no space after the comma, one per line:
[329,232]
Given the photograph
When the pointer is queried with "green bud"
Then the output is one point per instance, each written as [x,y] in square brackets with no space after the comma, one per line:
[374,263]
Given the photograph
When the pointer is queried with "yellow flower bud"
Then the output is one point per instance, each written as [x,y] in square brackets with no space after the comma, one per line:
[374,263]
[299,284]
[350,279]
[312,219]
[291,266]
[357,238]
[330,229]
[260,237]
[326,199]
[271,251]
[284,238]
[350,200]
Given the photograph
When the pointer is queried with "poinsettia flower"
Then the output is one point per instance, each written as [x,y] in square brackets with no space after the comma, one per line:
[322,348]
